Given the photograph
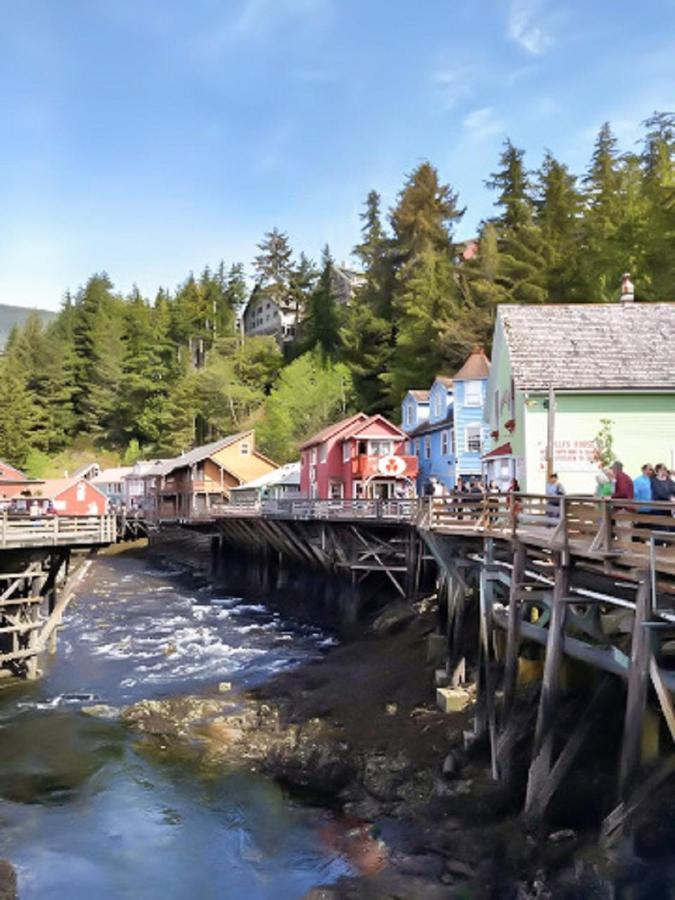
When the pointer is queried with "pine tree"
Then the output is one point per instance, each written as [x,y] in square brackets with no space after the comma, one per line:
[17,416]
[424,216]
[558,206]
[658,165]
[274,265]
[515,190]
[321,328]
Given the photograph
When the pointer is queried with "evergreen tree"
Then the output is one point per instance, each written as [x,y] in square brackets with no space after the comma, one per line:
[558,214]
[17,416]
[322,325]
[515,190]
[424,216]
[274,265]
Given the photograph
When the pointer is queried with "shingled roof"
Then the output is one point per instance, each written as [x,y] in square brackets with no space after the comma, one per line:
[586,347]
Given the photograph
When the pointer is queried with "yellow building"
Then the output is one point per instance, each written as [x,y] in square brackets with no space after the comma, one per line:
[190,485]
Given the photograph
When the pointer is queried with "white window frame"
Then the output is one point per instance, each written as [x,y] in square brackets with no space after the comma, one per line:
[346,451]
[473,428]
[323,453]
[312,455]
[438,402]
[445,442]
[473,393]
[427,446]
[81,492]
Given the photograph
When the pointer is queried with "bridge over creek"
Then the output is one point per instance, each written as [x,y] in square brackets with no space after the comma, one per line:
[554,586]
[35,556]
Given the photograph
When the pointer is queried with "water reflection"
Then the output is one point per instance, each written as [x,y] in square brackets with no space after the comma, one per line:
[84,815]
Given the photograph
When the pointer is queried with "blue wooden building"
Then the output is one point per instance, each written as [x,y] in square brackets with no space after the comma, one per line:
[445,425]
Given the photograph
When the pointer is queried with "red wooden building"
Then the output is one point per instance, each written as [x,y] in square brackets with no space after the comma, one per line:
[63,496]
[361,456]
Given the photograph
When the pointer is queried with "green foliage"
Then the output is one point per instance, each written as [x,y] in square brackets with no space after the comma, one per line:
[311,393]
[115,374]
[604,443]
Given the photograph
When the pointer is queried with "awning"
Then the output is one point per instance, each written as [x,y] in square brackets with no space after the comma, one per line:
[502,450]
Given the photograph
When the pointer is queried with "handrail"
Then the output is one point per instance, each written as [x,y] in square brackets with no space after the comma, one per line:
[19,531]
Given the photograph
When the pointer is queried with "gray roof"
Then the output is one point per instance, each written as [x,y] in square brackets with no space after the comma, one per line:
[197,455]
[586,347]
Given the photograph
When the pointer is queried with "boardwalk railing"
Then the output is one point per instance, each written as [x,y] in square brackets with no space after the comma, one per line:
[58,531]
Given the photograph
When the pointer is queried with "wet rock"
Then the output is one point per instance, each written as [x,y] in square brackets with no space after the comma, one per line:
[428,865]
[101,711]
[383,773]
[224,687]
[367,808]
[459,869]
[8,883]
[565,835]
[394,618]
[452,764]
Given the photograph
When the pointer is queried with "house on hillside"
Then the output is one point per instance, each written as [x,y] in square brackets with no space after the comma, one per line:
[445,425]
[281,318]
[280,484]
[361,456]
[610,361]
[64,496]
[188,485]
[264,315]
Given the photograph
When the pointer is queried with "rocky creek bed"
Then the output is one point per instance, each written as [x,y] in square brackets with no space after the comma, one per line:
[357,730]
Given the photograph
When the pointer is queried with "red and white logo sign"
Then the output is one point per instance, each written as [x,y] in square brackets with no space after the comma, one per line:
[391,465]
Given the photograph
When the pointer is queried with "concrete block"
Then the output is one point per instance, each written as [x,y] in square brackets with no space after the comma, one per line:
[452,699]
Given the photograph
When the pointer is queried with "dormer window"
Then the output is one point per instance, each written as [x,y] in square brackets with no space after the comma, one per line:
[473,393]
[438,403]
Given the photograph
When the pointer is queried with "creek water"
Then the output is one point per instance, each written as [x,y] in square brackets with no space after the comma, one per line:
[86,813]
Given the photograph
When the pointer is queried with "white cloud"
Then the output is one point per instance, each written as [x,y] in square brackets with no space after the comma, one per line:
[256,17]
[526,26]
[482,123]
[454,83]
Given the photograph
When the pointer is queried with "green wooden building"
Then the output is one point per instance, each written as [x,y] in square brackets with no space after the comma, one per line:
[612,362]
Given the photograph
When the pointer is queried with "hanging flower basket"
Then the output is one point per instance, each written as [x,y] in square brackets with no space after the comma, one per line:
[510,425]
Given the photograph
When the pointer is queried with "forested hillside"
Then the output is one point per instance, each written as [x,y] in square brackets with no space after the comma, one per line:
[155,375]
[17,315]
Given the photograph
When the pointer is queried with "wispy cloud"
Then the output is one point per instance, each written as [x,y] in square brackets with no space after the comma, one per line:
[526,26]
[482,123]
[454,83]
[256,17]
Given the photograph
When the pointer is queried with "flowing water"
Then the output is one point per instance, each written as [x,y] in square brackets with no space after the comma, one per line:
[85,814]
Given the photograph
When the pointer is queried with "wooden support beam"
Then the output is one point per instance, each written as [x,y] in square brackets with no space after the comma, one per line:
[636,698]
[664,696]
[550,690]
[486,717]
[513,631]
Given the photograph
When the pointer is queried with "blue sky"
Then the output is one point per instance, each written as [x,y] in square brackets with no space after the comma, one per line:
[148,138]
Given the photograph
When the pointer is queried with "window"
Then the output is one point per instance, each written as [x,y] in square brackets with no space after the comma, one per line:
[473,393]
[357,489]
[496,410]
[80,491]
[336,490]
[312,456]
[408,415]
[427,447]
[379,448]
[512,399]
[323,453]
[418,446]
[244,448]
[346,451]
[445,442]
[438,403]
[472,438]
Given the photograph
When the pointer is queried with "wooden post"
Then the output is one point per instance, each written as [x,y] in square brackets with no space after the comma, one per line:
[636,698]
[550,689]
[513,631]
[550,434]
[486,714]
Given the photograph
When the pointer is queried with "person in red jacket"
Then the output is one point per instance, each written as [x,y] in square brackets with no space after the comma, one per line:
[623,484]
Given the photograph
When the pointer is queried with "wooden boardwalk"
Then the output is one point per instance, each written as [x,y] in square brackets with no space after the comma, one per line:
[26,532]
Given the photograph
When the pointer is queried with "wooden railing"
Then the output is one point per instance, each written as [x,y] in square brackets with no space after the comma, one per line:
[76,531]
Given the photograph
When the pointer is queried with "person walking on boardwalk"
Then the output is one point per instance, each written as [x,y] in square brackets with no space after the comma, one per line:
[554,490]
[663,488]
[623,484]
[642,486]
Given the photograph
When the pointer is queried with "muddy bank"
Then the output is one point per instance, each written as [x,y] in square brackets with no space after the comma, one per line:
[357,730]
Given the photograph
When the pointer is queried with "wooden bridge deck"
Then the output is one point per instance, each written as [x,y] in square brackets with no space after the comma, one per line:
[616,534]
[25,532]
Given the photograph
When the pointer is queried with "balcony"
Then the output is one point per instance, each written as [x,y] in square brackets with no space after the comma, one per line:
[385,466]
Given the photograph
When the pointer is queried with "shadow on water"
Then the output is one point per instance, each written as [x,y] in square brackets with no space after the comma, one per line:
[86,812]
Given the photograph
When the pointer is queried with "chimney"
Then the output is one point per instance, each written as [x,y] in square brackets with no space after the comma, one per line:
[627,289]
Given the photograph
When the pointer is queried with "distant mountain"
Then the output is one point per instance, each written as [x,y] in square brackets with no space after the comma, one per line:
[17,315]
